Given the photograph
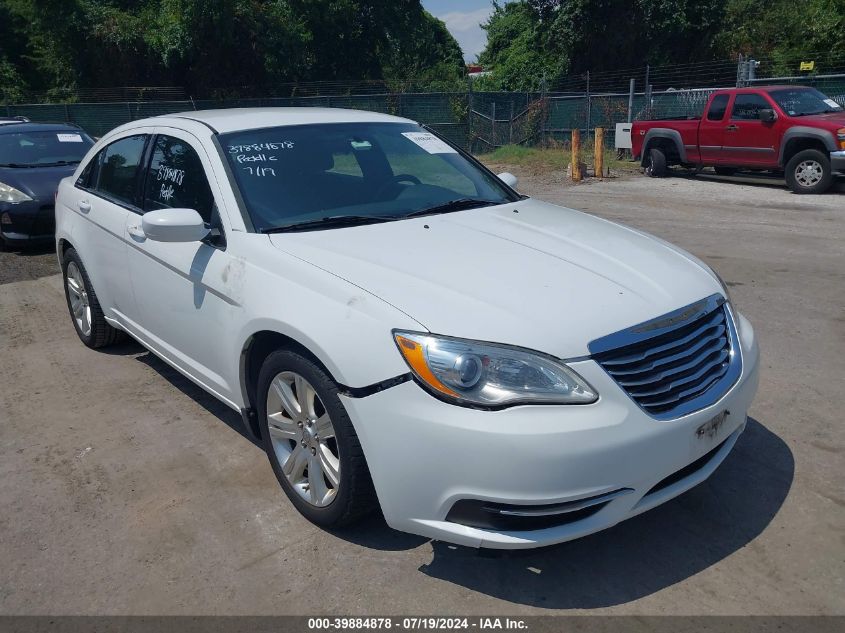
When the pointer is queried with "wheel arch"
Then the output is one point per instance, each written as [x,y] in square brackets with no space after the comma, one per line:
[666,139]
[799,138]
[255,350]
[62,246]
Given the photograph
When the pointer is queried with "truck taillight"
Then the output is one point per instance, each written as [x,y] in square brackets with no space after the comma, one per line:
[840,134]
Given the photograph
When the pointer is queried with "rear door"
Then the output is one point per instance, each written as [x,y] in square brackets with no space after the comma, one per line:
[711,130]
[747,140]
[186,294]
[105,195]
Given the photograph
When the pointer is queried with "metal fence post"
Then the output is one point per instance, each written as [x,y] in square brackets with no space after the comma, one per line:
[510,126]
[469,111]
[493,125]
[631,100]
[589,104]
[739,67]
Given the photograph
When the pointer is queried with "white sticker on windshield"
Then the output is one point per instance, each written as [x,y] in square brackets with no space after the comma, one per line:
[69,138]
[832,103]
[429,142]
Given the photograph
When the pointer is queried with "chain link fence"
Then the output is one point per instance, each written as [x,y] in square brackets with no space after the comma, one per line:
[477,121]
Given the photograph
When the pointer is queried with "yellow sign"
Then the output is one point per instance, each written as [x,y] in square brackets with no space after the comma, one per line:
[808,65]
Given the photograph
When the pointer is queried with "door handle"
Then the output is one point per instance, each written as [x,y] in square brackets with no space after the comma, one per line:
[732,128]
[135,230]
[84,206]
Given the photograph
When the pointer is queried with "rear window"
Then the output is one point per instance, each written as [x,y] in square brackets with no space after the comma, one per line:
[43,148]
[118,168]
[717,108]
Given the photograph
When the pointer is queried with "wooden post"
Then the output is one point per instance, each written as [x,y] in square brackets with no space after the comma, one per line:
[598,152]
[576,155]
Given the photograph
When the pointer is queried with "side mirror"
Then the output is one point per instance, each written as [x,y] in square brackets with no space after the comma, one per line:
[508,178]
[767,115]
[173,225]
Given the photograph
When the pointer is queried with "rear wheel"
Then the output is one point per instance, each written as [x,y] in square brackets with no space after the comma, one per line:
[84,307]
[809,172]
[655,166]
[310,441]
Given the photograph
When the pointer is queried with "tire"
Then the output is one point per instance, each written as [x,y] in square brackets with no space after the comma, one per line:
[84,307]
[298,444]
[656,164]
[724,171]
[809,172]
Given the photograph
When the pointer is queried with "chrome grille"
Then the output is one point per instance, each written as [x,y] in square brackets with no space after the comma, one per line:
[678,363]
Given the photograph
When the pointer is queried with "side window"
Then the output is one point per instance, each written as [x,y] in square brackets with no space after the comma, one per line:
[747,107]
[118,168]
[89,173]
[717,108]
[176,179]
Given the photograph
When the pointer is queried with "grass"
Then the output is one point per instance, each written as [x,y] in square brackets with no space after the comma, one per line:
[540,160]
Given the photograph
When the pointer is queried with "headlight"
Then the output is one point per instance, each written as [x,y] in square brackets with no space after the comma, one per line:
[490,375]
[10,194]
[840,136]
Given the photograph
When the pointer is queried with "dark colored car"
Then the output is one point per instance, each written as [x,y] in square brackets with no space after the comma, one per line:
[34,157]
[791,129]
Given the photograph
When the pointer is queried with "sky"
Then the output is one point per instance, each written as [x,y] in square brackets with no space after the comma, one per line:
[462,18]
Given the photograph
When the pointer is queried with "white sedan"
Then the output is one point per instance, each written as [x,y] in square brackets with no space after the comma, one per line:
[400,328]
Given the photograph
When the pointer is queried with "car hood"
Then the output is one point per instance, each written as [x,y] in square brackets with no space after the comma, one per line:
[526,273]
[39,183]
[831,120]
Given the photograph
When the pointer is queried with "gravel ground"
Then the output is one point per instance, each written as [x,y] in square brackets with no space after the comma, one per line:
[127,490]
[27,263]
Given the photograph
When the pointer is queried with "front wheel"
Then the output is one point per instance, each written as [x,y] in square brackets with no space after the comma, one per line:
[655,164]
[310,441]
[809,172]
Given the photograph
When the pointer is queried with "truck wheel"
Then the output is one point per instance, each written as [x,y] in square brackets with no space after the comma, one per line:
[656,164]
[724,171]
[809,172]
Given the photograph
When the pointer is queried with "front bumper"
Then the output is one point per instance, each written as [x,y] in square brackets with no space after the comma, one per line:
[425,455]
[27,222]
[837,161]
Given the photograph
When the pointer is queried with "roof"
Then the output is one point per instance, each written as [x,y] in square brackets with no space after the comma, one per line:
[236,119]
[15,127]
[764,88]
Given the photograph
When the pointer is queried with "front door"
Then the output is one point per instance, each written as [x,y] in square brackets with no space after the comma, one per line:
[747,140]
[185,296]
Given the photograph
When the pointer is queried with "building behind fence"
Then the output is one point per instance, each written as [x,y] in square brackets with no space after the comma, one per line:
[476,120]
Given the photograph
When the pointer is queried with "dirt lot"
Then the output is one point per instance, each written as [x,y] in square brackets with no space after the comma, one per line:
[127,490]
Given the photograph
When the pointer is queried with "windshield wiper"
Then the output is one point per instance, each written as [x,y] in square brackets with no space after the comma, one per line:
[17,165]
[330,222]
[458,204]
[59,163]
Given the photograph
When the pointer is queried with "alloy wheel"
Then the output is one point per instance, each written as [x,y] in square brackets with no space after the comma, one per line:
[303,438]
[78,294]
[809,173]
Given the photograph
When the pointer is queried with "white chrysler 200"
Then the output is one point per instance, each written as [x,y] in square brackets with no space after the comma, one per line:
[400,328]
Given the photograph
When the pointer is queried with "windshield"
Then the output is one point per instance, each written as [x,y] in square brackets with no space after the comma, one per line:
[291,175]
[804,101]
[43,148]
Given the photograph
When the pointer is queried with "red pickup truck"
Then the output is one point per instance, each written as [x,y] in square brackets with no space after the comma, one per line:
[793,129]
